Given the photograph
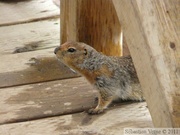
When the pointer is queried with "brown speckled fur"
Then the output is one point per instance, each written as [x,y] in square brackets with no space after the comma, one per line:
[113,77]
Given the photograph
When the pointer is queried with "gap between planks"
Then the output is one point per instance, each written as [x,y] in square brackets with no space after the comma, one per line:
[30,20]
[57,98]
[29,67]
[112,122]
[44,117]
[31,83]
[35,101]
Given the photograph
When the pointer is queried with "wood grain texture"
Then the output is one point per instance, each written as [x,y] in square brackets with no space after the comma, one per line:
[26,11]
[68,16]
[112,122]
[26,53]
[32,67]
[152,32]
[46,99]
[94,22]
[29,37]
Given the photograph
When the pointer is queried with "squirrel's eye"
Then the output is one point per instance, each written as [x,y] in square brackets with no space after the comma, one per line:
[71,50]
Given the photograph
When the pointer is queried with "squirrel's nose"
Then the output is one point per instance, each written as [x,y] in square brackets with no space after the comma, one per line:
[56,49]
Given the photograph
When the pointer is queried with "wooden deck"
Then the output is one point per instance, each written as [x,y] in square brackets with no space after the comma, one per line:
[40,95]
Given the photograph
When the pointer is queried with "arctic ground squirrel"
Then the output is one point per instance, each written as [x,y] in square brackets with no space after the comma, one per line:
[114,77]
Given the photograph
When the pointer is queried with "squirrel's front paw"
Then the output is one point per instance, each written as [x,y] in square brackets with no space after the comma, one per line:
[95,111]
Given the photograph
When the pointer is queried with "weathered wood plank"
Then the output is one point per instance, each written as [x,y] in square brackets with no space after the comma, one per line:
[39,65]
[113,122]
[29,37]
[26,11]
[32,67]
[45,99]
[152,29]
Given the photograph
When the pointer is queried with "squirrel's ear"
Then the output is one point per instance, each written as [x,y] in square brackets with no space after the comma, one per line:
[85,51]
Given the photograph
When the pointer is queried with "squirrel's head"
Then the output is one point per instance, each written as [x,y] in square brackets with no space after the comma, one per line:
[73,53]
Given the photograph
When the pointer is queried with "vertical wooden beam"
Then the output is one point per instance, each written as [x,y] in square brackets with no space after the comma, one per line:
[94,22]
[99,26]
[68,22]
[152,32]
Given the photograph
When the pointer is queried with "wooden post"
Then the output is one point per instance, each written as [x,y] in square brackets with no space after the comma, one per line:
[68,17]
[92,21]
[152,31]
